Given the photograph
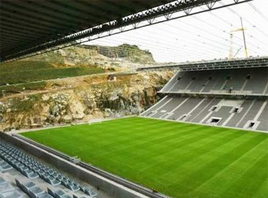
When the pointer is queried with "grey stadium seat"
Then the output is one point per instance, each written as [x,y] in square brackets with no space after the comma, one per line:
[11,194]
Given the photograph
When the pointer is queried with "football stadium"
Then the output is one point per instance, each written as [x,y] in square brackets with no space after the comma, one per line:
[95,102]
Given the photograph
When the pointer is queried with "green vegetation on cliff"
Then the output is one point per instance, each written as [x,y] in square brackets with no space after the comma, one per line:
[29,71]
[72,61]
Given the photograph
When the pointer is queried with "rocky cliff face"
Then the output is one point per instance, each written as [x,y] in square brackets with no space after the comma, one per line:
[93,55]
[92,98]
[124,52]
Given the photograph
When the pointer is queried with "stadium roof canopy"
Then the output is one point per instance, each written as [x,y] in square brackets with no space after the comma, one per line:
[29,26]
[214,65]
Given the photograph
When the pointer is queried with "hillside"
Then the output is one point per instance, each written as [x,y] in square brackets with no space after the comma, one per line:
[69,62]
[57,88]
[29,71]
[94,55]
[124,52]
[81,99]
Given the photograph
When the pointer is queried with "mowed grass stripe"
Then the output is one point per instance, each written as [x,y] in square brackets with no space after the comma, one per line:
[106,140]
[132,151]
[212,165]
[189,156]
[128,148]
[159,166]
[141,161]
[141,144]
[228,176]
[247,186]
[213,151]
[188,162]
[263,190]
[168,148]
[179,159]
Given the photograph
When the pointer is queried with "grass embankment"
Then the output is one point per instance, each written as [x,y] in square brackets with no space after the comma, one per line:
[29,71]
[31,75]
[178,159]
[22,87]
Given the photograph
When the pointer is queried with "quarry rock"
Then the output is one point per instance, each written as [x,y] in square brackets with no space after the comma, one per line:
[77,110]
[67,119]
[129,95]
[2,107]
[45,97]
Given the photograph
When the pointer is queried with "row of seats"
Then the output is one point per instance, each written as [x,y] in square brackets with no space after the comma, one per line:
[247,113]
[60,194]
[245,81]
[32,169]
[7,190]
[4,166]
[18,160]
[32,190]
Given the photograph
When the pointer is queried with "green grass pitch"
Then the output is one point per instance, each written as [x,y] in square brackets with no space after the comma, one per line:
[178,159]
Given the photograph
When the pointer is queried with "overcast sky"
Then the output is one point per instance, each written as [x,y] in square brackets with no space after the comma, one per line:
[204,36]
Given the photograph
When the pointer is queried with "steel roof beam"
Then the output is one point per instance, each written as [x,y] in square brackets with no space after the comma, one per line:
[26,9]
[124,10]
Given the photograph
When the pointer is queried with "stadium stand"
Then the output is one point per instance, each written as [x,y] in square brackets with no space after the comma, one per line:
[37,180]
[234,97]
[231,81]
